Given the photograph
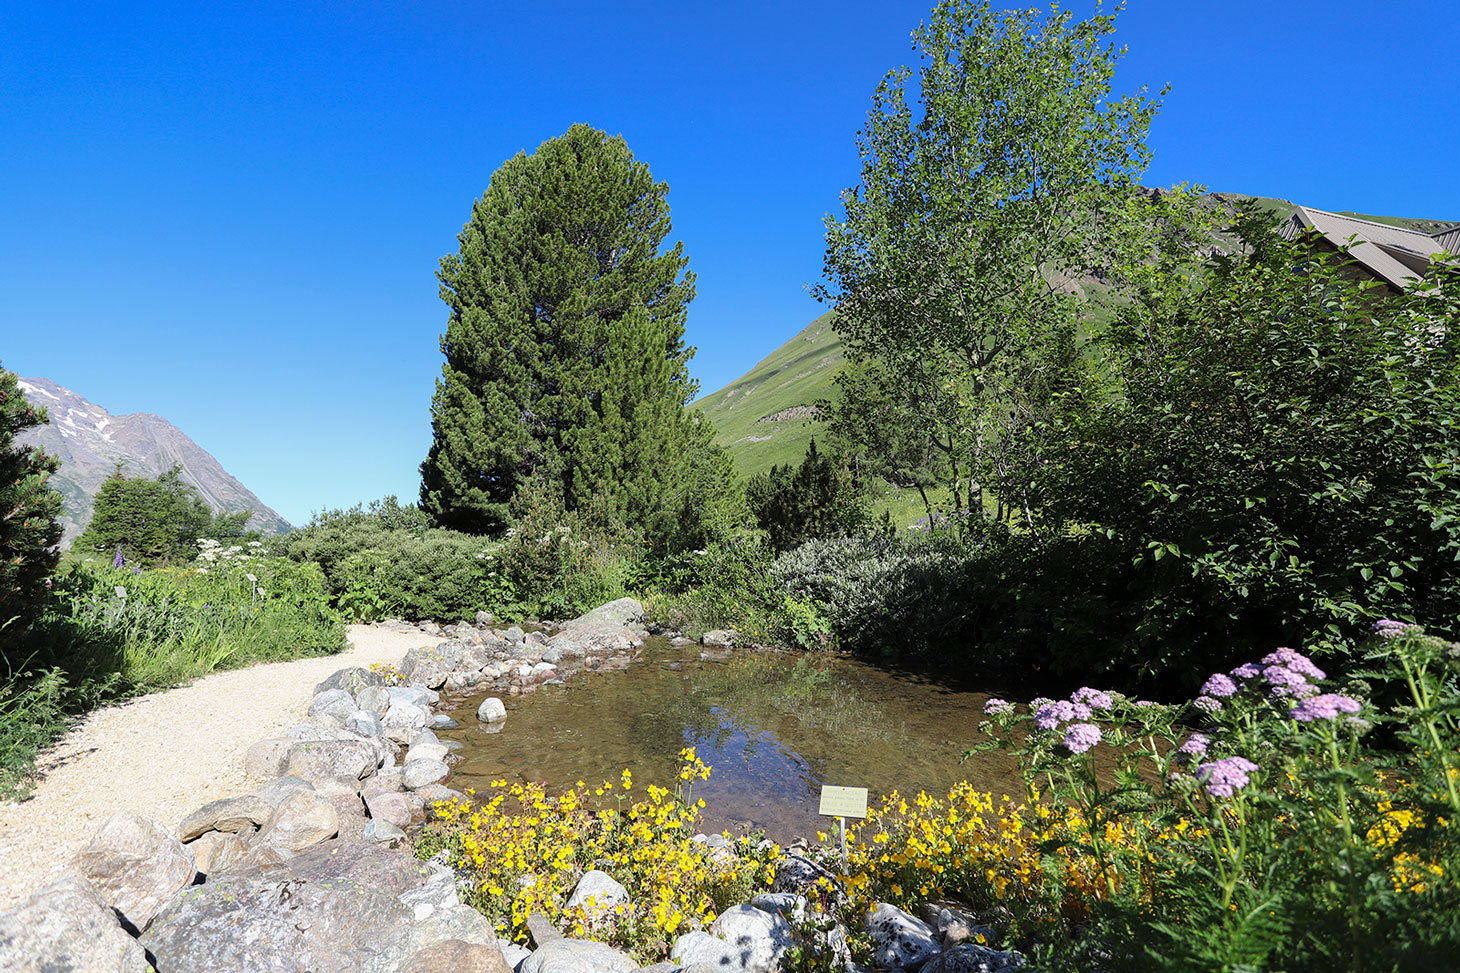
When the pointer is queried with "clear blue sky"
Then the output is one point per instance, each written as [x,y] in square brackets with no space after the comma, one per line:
[232,216]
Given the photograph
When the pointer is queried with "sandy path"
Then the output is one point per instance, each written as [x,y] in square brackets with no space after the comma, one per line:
[164,755]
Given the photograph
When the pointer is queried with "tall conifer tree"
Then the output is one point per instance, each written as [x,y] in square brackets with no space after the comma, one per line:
[29,529]
[565,354]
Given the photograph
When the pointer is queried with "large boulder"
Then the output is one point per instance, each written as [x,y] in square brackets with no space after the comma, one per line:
[577,956]
[492,710]
[595,637]
[428,666]
[720,638]
[136,866]
[232,814]
[268,758]
[373,699]
[67,926]
[276,791]
[597,894]
[457,956]
[352,680]
[422,773]
[743,938]
[332,705]
[302,821]
[624,611]
[900,940]
[316,760]
[459,922]
[974,958]
[333,909]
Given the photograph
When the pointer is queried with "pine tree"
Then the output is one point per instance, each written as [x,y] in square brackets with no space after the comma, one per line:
[565,355]
[152,521]
[29,530]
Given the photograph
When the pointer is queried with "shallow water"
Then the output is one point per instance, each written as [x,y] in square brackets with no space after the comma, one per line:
[774,727]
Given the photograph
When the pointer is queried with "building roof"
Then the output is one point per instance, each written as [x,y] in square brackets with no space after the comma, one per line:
[1393,254]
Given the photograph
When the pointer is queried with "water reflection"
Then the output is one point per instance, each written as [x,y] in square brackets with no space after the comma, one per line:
[774,727]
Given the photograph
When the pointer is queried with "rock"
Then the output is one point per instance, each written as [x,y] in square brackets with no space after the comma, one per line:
[381,831]
[332,704]
[302,821]
[374,699]
[390,807]
[268,758]
[597,893]
[404,720]
[484,619]
[577,956]
[415,695]
[764,935]
[436,793]
[514,635]
[492,710]
[420,773]
[624,611]
[460,922]
[514,954]
[136,866]
[352,680]
[975,958]
[232,814]
[365,722]
[315,760]
[597,637]
[565,648]
[226,852]
[443,722]
[901,940]
[275,791]
[797,874]
[720,638]
[426,751]
[438,893]
[332,909]
[429,666]
[541,929]
[67,927]
[455,956]
[954,923]
[384,781]
[424,736]
[787,904]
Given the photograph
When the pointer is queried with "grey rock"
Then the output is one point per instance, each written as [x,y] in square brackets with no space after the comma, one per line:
[458,956]
[624,611]
[232,814]
[373,698]
[390,807]
[975,958]
[541,929]
[787,904]
[721,638]
[352,680]
[797,874]
[597,893]
[492,710]
[302,821]
[553,654]
[332,909]
[577,956]
[333,704]
[136,866]
[420,773]
[597,637]
[268,758]
[381,831]
[426,751]
[439,893]
[954,923]
[761,938]
[514,954]
[315,760]
[565,648]
[67,926]
[415,695]
[425,736]
[384,781]
[275,791]
[484,619]
[365,722]
[461,923]
[901,940]
[514,635]
[443,722]
[217,852]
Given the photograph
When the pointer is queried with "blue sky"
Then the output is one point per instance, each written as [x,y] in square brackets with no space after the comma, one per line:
[231,216]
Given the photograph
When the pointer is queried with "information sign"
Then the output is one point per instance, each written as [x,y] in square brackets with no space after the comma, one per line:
[844,802]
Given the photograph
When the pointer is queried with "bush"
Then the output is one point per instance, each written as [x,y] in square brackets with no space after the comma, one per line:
[814,500]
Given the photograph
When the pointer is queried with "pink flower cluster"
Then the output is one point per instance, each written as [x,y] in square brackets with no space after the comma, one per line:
[1225,777]
[1328,706]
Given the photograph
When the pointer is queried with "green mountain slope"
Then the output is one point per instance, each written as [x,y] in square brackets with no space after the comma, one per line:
[767,416]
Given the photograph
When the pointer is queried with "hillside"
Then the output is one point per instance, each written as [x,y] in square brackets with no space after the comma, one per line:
[90,441]
[767,416]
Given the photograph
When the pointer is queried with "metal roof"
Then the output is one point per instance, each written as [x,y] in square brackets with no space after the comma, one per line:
[1374,245]
[1449,239]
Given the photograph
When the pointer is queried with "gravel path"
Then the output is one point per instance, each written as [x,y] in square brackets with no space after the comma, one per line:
[164,755]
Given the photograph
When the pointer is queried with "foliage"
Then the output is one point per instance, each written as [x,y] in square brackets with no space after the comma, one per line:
[1277,460]
[29,530]
[814,500]
[565,358]
[32,714]
[952,268]
[524,852]
[152,522]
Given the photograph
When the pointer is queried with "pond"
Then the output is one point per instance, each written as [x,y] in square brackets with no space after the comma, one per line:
[775,728]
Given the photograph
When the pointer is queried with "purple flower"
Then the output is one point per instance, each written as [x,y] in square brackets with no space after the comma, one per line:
[118,561]
[1206,704]
[1195,746]
[1388,628]
[1081,737]
[1296,661]
[1223,778]
[1324,707]
[1094,698]
[1219,685]
[994,707]
[1053,713]
[1287,682]
[1144,704]
[1247,670]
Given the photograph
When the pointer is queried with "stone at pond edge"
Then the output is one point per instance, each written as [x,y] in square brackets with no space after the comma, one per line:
[136,866]
[67,926]
[597,893]
[455,956]
[352,680]
[577,956]
[623,611]
[423,773]
[492,710]
[334,704]
[902,940]
[232,814]
[721,638]
[302,821]
[974,958]
[314,760]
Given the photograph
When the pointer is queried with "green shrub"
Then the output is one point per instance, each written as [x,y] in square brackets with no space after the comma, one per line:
[814,500]
[29,530]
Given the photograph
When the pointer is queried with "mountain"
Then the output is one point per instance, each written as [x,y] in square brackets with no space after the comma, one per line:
[767,416]
[90,441]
